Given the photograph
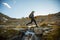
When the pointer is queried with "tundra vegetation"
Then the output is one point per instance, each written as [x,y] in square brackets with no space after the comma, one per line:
[51,21]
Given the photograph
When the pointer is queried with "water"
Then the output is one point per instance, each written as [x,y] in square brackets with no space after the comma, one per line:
[30,35]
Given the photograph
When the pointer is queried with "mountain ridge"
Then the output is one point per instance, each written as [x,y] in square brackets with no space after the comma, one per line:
[46,19]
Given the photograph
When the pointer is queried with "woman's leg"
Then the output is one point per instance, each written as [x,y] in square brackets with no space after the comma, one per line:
[30,22]
[35,22]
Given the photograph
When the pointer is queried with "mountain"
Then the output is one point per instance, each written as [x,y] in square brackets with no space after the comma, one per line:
[4,18]
[2,15]
[46,19]
[52,19]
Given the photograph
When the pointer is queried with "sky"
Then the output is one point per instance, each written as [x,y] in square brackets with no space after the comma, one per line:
[22,8]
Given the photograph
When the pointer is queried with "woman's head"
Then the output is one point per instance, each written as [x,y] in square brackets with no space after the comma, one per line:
[32,11]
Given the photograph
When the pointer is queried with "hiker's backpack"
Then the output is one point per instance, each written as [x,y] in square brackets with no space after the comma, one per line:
[31,15]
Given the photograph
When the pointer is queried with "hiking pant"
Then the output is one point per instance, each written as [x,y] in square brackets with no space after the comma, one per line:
[32,20]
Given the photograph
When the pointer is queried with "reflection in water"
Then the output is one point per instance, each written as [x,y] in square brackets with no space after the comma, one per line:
[29,35]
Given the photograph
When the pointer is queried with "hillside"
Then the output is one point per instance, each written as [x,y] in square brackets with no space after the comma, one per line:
[47,19]
[52,19]
[10,27]
[4,19]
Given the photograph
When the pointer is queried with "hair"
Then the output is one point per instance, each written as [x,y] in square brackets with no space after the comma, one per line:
[32,11]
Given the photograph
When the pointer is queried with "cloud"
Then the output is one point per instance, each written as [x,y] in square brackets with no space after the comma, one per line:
[7,5]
